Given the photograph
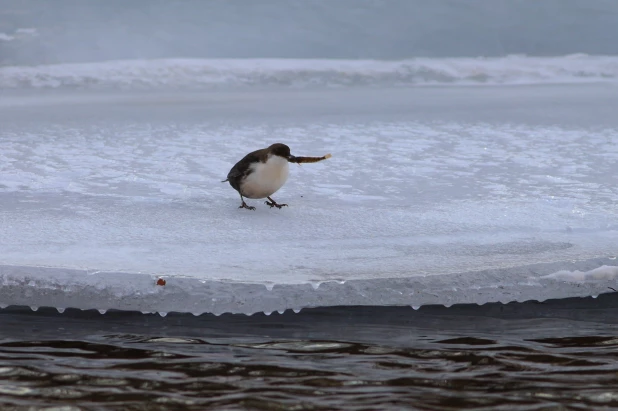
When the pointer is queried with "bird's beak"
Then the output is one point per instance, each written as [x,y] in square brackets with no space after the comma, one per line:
[291,158]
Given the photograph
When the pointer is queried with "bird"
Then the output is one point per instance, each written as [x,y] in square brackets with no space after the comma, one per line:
[261,173]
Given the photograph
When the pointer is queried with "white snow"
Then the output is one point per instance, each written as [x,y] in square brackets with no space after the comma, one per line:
[96,204]
[302,73]
[22,33]
[600,273]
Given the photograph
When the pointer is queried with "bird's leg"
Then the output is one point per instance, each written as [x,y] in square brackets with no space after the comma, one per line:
[244,205]
[272,203]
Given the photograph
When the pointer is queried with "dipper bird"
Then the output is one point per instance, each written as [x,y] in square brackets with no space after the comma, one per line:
[261,173]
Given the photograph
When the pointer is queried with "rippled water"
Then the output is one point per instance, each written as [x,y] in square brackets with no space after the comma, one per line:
[533,356]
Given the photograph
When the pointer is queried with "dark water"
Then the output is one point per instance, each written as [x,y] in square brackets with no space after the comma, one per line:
[557,355]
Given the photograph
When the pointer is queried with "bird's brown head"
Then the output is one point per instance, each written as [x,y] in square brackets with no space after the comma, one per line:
[281,150]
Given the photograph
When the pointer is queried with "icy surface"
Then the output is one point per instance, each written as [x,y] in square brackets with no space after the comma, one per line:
[602,273]
[208,73]
[431,196]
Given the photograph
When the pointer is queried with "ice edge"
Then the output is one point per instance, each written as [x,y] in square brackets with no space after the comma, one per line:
[71,288]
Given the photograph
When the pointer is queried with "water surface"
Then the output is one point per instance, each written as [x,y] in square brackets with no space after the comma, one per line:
[551,356]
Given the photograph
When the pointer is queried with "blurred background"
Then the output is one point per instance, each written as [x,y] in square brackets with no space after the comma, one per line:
[61,31]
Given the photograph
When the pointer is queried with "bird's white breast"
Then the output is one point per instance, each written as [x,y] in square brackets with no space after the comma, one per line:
[266,178]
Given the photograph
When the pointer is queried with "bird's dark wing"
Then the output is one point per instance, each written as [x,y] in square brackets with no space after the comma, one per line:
[242,169]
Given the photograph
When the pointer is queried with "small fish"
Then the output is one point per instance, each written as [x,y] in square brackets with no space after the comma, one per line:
[308,159]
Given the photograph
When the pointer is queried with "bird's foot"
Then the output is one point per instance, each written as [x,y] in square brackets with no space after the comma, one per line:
[248,207]
[273,204]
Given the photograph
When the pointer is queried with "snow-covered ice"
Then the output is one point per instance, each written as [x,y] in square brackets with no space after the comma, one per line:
[301,73]
[432,196]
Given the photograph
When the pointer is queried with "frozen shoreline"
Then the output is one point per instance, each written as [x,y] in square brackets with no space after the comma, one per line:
[191,74]
[433,196]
